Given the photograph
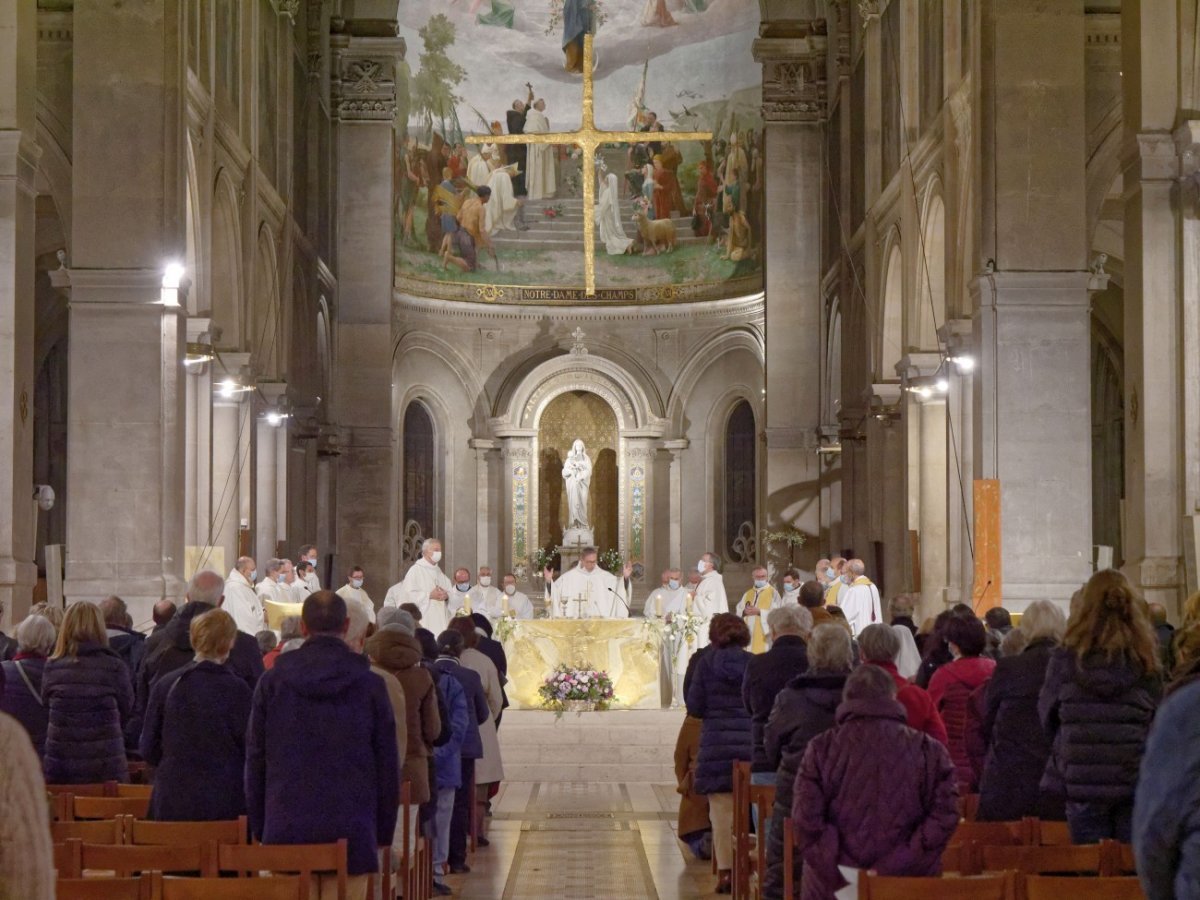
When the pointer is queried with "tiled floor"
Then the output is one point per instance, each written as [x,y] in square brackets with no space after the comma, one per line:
[576,841]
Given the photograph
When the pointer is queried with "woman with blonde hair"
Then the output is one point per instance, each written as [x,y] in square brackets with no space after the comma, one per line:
[88,697]
[195,731]
[1099,697]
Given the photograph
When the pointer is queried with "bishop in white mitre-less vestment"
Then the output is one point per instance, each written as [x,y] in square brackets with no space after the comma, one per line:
[416,587]
[590,594]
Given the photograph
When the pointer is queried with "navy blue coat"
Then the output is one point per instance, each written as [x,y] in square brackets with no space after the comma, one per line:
[128,644]
[89,697]
[472,685]
[447,759]
[195,736]
[715,697]
[22,703]
[766,675]
[1166,830]
[321,756]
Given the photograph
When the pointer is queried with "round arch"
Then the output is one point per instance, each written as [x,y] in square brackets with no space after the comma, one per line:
[891,319]
[225,277]
[930,313]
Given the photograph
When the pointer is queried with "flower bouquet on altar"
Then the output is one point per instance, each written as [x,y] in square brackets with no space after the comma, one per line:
[576,689]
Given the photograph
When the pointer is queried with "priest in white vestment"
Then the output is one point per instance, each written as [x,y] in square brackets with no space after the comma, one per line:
[485,596]
[753,608]
[668,599]
[608,218]
[513,603]
[241,601]
[589,591]
[710,596]
[540,179]
[352,590]
[478,170]
[860,598]
[427,586]
[463,597]
[311,579]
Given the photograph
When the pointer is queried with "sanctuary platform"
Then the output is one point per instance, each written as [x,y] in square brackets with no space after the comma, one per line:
[608,747]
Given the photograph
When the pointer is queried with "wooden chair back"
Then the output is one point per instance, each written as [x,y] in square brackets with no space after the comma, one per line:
[1118,859]
[143,831]
[1071,859]
[1049,887]
[741,829]
[968,806]
[1048,832]
[999,886]
[143,888]
[126,860]
[110,807]
[996,834]
[99,831]
[305,860]
[271,888]
[96,789]
[134,790]
[963,859]
[66,860]
[762,802]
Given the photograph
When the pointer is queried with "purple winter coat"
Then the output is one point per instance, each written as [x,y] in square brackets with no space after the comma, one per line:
[872,793]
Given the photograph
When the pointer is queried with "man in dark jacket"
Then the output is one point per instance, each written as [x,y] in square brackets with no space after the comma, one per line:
[347,734]
[128,644]
[8,645]
[1164,632]
[767,674]
[450,647]
[170,648]
[164,612]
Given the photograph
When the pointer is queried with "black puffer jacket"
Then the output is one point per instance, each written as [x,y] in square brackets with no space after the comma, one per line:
[88,697]
[1098,715]
[766,675]
[715,698]
[1017,747]
[805,708]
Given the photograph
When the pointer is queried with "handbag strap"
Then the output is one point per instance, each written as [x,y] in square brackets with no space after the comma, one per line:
[28,683]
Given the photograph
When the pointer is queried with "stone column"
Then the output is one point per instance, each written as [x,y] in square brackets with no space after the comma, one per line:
[363,86]
[232,422]
[515,510]
[270,485]
[487,513]
[923,376]
[675,550]
[794,108]
[18,165]
[956,336]
[1031,323]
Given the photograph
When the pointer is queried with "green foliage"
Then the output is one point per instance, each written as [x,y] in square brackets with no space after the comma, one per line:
[433,86]
[788,537]
[610,561]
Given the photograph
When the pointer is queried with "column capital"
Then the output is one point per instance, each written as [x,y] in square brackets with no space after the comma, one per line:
[1038,290]
[363,74]
[794,88]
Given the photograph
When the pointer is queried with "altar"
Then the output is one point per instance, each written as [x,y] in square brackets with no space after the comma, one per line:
[624,648]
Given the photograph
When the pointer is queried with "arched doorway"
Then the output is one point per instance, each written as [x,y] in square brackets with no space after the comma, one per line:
[741,484]
[419,478]
[578,415]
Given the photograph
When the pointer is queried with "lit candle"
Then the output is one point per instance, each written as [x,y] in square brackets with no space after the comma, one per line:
[467,604]
[689,603]
[658,604]
[504,603]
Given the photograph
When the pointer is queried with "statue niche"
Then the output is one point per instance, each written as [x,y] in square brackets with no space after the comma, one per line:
[577,418]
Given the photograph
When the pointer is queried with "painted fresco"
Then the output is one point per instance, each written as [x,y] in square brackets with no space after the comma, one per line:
[680,218]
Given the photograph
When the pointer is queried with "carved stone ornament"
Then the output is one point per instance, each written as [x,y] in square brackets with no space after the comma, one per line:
[794,79]
[366,89]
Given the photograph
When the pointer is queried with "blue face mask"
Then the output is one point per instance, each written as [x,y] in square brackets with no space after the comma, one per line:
[790,586]
[760,583]
[673,583]
[463,585]
[253,575]
[830,574]
[282,579]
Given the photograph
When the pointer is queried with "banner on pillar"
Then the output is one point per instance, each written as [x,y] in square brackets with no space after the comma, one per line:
[986,591]
[212,559]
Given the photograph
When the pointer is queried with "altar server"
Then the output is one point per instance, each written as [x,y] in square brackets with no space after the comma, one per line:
[353,590]
[589,591]
[753,608]
[241,601]
[485,596]
[710,596]
[669,599]
[513,603]
[274,584]
[427,586]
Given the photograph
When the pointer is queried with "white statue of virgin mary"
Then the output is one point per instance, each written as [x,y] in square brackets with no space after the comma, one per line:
[577,476]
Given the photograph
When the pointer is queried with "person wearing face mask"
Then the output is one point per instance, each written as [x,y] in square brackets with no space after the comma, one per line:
[463,596]
[299,583]
[353,590]
[587,591]
[753,608]
[273,585]
[834,574]
[710,597]
[241,601]
[859,597]
[485,596]
[791,588]
[513,603]
[311,579]
[670,598]
[427,586]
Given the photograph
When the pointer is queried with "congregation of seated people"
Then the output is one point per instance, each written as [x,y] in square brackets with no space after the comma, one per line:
[227,724]
[875,744]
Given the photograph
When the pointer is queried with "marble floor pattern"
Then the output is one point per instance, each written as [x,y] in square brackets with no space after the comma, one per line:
[584,841]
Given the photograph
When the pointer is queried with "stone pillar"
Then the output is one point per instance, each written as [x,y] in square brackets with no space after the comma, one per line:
[924,376]
[793,107]
[675,550]
[487,513]
[1156,415]
[960,564]
[18,165]
[363,86]
[198,430]
[270,485]
[1031,322]
[516,510]
[231,424]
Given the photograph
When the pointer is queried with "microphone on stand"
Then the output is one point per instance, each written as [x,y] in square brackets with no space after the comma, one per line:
[628,611]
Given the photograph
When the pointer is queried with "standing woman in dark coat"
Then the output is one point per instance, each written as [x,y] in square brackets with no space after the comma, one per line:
[195,731]
[87,692]
[715,697]
[22,693]
[1017,748]
[1101,690]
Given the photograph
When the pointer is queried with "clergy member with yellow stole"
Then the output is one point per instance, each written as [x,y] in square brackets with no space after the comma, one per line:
[753,607]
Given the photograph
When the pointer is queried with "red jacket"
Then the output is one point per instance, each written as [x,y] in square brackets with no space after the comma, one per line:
[950,689]
[922,714]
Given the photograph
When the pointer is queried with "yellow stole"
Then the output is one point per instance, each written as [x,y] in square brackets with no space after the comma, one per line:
[831,593]
[758,637]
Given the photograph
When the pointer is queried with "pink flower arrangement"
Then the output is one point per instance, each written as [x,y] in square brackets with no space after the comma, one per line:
[569,683]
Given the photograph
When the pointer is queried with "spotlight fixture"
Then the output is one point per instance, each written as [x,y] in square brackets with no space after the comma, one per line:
[963,363]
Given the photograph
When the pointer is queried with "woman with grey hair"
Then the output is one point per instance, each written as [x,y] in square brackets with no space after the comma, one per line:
[22,696]
[880,646]
[1017,747]
[803,709]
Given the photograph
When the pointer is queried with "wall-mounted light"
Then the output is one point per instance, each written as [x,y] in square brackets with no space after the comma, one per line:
[275,418]
[172,280]
[963,363]
[231,387]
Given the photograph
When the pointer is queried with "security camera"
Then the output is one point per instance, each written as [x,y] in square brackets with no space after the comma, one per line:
[44,495]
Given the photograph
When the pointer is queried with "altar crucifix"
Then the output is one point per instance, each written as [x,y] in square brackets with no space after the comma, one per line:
[588,138]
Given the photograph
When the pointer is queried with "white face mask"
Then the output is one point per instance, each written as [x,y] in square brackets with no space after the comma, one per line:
[673,584]
[356,583]
[510,589]
[485,580]
[435,557]
[701,567]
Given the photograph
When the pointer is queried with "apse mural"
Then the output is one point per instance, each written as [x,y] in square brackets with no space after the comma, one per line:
[674,219]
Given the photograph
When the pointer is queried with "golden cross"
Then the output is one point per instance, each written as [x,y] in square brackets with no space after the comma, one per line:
[589,138]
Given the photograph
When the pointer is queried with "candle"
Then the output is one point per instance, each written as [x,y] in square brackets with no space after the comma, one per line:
[658,604]
[467,604]
[504,603]
[689,603]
